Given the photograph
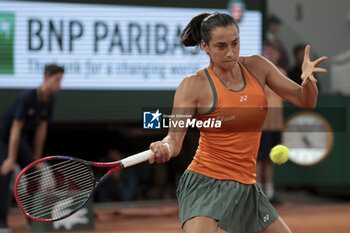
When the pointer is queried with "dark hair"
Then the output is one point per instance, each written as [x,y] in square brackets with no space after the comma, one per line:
[274,19]
[298,47]
[200,26]
[52,69]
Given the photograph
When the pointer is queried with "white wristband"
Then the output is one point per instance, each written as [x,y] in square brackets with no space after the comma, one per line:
[167,145]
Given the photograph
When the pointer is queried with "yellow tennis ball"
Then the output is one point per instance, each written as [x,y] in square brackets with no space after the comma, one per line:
[279,154]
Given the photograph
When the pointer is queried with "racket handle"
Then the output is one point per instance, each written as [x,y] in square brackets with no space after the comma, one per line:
[139,157]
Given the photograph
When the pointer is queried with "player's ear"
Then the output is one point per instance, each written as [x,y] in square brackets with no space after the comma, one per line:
[204,46]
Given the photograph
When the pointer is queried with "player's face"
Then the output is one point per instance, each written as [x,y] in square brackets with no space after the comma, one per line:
[223,48]
[54,82]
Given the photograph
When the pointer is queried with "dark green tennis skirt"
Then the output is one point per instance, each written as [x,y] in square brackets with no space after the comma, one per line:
[238,208]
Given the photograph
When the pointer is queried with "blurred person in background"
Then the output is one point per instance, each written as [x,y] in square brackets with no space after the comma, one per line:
[121,186]
[272,128]
[295,72]
[161,188]
[32,110]
[273,27]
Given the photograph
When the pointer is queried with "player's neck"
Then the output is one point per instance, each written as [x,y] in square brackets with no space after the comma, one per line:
[227,75]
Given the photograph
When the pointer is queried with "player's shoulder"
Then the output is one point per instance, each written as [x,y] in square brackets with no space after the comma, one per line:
[252,59]
[194,81]
[255,63]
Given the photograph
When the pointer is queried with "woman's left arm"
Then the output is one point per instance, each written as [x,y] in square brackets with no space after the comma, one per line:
[304,96]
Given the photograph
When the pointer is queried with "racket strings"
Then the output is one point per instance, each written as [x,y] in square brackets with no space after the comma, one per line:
[34,185]
[52,198]
[55,189]
[42,212]
[61,180]
[84,183]
[44,167]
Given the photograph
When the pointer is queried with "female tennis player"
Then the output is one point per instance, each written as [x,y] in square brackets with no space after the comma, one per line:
[219,188]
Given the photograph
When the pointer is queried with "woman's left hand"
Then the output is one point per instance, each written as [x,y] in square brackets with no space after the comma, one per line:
[310,67]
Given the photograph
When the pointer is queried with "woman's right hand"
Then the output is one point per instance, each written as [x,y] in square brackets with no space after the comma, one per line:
[161,152]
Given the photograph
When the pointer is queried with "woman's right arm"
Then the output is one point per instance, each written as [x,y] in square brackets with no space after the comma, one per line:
[185,102]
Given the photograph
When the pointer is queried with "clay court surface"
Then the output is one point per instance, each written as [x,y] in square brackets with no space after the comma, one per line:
[327,217]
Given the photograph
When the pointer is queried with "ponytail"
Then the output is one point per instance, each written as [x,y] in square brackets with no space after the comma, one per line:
[191,35]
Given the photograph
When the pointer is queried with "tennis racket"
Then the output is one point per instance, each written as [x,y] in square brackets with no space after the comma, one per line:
[55,187]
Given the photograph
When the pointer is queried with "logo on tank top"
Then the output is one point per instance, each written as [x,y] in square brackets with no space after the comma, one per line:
[226,118]
[243,98]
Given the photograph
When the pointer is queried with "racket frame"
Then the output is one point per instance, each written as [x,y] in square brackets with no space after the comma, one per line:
[96,184]
[117,165]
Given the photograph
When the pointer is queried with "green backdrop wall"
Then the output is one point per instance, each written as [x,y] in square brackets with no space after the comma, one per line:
[332,176]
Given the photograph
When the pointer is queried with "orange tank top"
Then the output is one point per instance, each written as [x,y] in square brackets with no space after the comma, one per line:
[230,153]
